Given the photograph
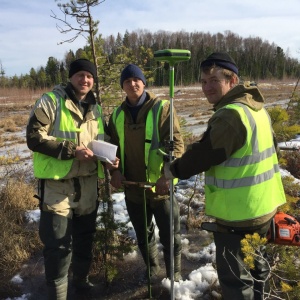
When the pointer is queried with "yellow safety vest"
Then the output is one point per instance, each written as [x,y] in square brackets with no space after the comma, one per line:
[153,157]
[248,185]
[47,167]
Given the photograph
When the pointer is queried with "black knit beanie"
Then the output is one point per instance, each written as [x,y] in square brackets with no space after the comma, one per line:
[132,71]
[221,59]
[82,64]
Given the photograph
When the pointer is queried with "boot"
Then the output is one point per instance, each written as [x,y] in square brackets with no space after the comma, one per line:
[58,292]
[177,266]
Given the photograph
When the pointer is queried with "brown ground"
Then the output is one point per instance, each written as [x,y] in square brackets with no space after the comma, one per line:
[129,283]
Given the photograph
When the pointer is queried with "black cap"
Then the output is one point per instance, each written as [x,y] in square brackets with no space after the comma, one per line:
[221,59]
[82,64]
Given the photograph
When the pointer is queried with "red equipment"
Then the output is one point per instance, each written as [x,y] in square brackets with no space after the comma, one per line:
[284,230]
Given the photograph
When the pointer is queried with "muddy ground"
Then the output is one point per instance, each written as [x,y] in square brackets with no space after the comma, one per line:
[191,105]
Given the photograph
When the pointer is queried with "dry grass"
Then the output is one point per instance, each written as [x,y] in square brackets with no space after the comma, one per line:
[8,125]
[18,238]
[13,119]
[11,139]
[13,122]
[12,98]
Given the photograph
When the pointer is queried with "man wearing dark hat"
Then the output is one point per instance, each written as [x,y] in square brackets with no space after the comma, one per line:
[140,126]
[60,130]
[243,185]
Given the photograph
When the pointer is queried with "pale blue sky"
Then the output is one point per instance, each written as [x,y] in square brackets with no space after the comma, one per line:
[28,35]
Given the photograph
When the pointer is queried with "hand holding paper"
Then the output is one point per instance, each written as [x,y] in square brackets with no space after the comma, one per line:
[104,151]
[113,165]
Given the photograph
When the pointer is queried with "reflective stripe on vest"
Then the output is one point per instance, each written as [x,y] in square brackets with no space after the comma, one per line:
[47,167]
[153,159]
[64,128]
[247,185]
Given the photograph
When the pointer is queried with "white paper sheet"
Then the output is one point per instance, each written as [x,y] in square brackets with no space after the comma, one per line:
[104,151]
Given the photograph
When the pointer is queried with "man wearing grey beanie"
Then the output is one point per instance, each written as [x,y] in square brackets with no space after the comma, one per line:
[140,126]
[61,127]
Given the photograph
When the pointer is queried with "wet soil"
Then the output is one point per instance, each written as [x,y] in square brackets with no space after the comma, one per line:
[130,283]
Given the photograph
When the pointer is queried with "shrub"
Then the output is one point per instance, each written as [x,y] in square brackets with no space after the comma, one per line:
[292,162]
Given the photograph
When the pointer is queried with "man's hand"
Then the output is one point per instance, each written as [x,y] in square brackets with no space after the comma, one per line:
[83,153]
[162,186]
[116,179]
[114,165]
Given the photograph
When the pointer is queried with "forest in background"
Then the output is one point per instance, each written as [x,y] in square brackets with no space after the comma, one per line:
[256,59]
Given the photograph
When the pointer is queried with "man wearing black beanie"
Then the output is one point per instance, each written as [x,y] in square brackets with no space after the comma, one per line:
[82,64]
[140,126]
[61,127]
[243,186]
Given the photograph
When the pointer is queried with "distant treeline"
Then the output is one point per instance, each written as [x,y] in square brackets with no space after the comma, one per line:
[256,59]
